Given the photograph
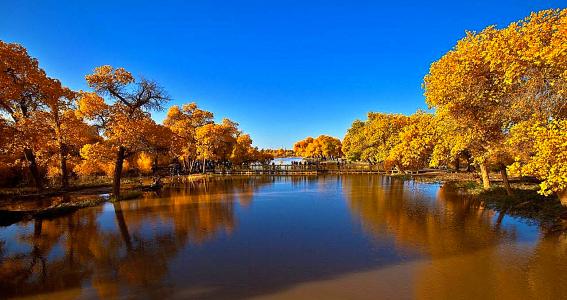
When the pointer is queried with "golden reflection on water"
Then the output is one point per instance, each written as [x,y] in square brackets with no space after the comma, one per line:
[128,257]
[468,256]
[127,248]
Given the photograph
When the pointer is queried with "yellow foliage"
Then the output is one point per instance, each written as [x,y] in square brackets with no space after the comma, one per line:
[373,139]
[98,158]
[183,122]
[323,146]
[544,153]
[144,163]
[415,142]
[216,141]
[495,79]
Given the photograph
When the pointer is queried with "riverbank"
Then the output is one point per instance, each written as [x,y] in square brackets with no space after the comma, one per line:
[23,204]
[96,185]
[525,201]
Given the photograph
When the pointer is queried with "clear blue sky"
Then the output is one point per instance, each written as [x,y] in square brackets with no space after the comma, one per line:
[282,69]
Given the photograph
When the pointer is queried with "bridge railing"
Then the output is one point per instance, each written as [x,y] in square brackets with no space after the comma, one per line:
[299,168]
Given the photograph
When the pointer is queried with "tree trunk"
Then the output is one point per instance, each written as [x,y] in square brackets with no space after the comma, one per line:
[505,181]
[562,197]
[30,156]
[204,165]
[63,162]
[458,164]
[62,148]
[118,171]
[485,178]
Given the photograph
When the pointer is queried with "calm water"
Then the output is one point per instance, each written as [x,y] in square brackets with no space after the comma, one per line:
[348,237]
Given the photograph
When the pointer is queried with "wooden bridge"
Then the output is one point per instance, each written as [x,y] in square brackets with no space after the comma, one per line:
[308,169]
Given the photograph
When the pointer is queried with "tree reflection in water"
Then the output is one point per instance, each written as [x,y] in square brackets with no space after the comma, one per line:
[469,255]
[408,240]
[77,250]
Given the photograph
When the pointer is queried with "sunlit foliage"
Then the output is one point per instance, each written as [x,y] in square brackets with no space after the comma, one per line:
[543,153]
[323,146]
[372,140]
[497,78]
[278,153]
[38,114]
[183,122]
[498,98]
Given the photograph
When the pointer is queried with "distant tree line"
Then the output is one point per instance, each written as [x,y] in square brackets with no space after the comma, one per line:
[322,147]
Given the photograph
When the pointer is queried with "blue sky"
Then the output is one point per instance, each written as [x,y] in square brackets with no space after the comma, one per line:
[284,70]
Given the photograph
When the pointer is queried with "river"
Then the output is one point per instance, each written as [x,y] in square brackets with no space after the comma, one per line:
[319,237]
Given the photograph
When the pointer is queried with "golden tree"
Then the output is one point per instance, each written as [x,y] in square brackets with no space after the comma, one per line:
[373,139]
[125,122]
[452,143]
[544,154]
[215,142]
[183,122]
[300,147]
[415,142]
[354,141]
[243,151]
[65,126]
[497,78]
[21,79]
[38,108]
[462,86]
[323,146]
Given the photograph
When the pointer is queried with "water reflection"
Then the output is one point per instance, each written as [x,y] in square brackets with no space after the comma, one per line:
[130,257]
[438,222]
[470,254]
[285,237]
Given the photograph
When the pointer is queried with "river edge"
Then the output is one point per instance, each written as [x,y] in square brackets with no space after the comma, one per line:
[525,203]
[19,207]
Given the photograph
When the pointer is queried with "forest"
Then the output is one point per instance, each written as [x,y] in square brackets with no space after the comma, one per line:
[496,104]
[51,132]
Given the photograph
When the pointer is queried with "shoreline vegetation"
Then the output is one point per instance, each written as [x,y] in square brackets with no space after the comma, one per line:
[524,203]
[17,204]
